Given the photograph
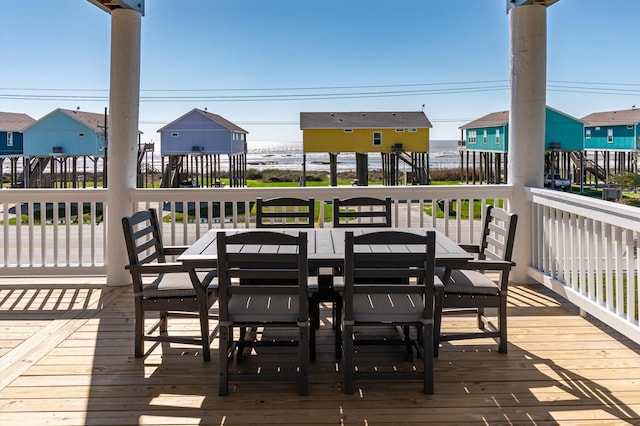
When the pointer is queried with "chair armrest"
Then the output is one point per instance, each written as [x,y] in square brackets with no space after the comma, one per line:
[490,265]
[338,283]
[438,286]
[156,268]
[470,248]
[312,285]
[173,250]
[210,280]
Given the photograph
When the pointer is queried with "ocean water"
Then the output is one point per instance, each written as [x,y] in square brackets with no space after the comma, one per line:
[289,156]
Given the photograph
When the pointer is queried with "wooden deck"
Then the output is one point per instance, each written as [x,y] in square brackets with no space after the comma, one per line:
[67,359]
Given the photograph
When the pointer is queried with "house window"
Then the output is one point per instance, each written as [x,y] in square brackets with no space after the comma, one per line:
[587,134]
[484,137]
[413,130]
[610,135]
[81,135]
[497,136]
[9,138]
[377,138]
[399,130]
[472,136]
[348,130]
[630,127]
[174,134]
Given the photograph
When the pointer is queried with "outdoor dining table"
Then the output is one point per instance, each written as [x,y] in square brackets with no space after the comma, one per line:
[325,247]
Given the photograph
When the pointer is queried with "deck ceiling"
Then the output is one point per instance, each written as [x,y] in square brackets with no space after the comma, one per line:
[109,5]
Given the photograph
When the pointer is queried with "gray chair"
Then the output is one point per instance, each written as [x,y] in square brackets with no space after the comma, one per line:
[361,212]
[472,290]
[373,256]
[291,212]
[358,212]
[164,287]
[272,260]
[285,212]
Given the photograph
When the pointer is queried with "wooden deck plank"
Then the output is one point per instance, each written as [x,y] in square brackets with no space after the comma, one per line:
[71,363]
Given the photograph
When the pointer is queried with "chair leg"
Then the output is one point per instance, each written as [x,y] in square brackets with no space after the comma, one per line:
[502,323]
[164,321]
[338,325]
[349,363]
[427,357]
[139,332]
[408,343]
[240,343]
[223,361]
[314,310]
[437,322]
[480,314]
[312,340]
[303,361]
[204,330]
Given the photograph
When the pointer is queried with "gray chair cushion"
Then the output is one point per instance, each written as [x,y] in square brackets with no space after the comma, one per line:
[387,308]
[263,308]
[468,282]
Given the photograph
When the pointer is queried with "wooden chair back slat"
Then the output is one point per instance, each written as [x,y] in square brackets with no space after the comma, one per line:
[362,212]
[285,212]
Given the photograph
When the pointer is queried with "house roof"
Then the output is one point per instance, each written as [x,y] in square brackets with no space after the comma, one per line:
[613,118]
[92,120]
[493,119]
[501,118]
[14,122]
[211,116]
[355,120]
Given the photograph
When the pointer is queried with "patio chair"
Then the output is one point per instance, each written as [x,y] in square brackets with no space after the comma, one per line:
[163,286]
[373,256]
[472,290]
[273,260]
[285,212]
[362,212]
[357,212]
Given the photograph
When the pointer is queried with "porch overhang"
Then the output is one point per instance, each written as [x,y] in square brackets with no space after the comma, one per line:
[109,5]
[515,3]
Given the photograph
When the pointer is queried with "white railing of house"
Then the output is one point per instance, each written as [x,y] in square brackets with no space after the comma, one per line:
[586,250]
[63,245]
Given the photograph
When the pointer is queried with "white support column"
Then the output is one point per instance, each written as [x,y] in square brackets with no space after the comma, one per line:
[123,135]
[528,28]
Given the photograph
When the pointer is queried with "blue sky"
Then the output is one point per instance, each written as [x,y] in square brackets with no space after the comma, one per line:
[259,63]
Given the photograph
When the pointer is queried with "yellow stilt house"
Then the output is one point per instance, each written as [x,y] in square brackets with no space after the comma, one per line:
[397,136]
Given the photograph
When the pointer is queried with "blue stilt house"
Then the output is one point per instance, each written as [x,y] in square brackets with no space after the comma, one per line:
[488,137]
[57,141]
[614,137]
[12,126]
[193,145]
[612,130]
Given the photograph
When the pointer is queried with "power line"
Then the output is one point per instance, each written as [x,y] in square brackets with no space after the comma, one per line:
[334,92]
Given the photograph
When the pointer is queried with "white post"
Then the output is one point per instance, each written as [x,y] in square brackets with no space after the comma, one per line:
[123,135]
[528,25]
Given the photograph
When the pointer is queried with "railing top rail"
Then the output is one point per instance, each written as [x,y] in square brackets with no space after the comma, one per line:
[327,193]
[604,211]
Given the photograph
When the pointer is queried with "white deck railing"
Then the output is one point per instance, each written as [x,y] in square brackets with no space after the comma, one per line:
[586,250]
[65,245]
